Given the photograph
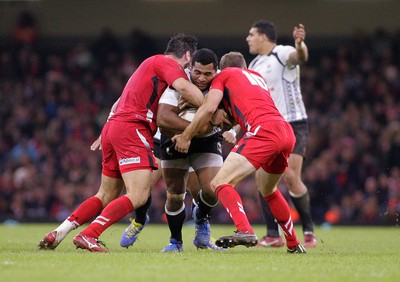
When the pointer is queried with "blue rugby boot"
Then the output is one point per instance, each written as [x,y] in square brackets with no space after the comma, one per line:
[174,246]
[212,246]
[131,232]
[202,231]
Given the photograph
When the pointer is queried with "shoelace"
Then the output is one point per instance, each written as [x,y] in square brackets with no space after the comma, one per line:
[134,230]
[212,244]
[102,244]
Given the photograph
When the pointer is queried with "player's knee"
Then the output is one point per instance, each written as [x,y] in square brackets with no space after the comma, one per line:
[106,198]
[266,191]
[208,197]
[174,201]
[213,186]
[290,177]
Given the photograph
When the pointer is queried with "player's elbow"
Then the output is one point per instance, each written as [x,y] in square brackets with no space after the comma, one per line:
[162,120]
[188,91]
[210,111]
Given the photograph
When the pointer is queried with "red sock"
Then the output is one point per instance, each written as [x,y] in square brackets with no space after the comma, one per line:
[86,211]
[280,210]
[232,202]
[112,213]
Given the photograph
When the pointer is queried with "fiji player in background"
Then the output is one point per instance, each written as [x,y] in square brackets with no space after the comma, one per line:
[279,66]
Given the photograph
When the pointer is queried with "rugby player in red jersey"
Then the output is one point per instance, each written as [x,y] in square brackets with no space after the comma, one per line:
[127,144]
[266,145]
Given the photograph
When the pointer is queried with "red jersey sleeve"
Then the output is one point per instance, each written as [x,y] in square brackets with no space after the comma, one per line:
[218,82]
[168,69]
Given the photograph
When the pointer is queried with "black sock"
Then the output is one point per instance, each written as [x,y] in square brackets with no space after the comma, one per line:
[175,223]
[142,211]
[272,226]
[204,209]
[302,205]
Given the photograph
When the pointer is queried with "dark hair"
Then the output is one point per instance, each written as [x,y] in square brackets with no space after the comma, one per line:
[205,56]
[232,59]
[267,28]
[180,43]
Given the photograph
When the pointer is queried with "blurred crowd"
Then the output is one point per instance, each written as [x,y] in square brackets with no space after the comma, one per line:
[53,106]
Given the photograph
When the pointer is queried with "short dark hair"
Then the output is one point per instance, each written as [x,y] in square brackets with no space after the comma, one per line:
[180,43]
[232,59]
[267,28]
[205,56]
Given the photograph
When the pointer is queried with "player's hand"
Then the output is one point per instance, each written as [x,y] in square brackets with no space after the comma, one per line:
[229,137]
[96,144]
[299,34]
[182,103]
[221,119]
[182,144]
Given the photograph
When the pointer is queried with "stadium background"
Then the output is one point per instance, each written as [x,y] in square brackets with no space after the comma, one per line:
[56,89]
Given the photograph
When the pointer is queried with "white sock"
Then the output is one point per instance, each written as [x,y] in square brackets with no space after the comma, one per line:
[63,230]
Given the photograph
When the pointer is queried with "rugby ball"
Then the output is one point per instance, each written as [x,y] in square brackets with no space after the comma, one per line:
[187,113]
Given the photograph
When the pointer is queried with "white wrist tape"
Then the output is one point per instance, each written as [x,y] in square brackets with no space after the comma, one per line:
[233,131]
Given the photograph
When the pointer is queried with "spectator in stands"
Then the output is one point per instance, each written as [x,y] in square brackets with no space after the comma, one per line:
[25,32]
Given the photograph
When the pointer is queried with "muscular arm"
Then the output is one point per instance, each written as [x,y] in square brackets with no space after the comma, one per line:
[201,118]
[169,121]
[189,91]
[301,54]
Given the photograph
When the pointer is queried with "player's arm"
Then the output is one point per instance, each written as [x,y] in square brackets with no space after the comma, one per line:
[301,54]
[230,135]
[169,121]
[189,91]
[201,118]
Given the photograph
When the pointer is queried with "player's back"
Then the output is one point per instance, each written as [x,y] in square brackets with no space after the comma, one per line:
[246,97]
[139,99]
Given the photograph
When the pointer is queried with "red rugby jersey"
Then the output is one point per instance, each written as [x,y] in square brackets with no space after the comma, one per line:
[246,97]
[139,99]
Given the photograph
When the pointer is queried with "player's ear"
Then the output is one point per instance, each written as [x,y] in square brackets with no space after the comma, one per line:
[188,56]
[264,37]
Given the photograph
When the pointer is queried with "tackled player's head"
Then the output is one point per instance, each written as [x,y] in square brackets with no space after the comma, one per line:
[203,68]
[232,59]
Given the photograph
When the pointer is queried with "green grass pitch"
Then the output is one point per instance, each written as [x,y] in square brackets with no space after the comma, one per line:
[343,254]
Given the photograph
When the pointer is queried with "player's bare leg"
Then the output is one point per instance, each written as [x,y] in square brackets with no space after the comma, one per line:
[138,183]
[131,233]
[279,208]
[109,190]
[234,169]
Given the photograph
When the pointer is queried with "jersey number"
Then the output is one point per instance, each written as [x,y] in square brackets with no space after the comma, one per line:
[255,80]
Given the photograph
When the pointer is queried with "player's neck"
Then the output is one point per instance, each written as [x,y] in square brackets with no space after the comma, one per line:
[182,61]
[267,49]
